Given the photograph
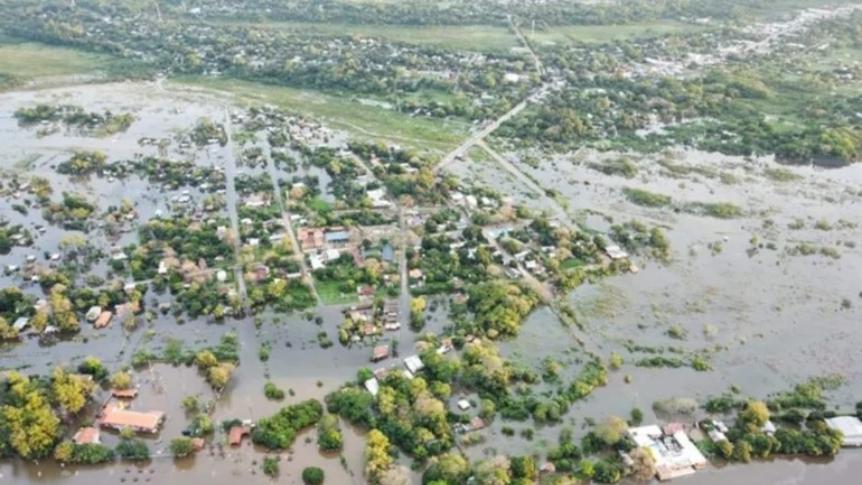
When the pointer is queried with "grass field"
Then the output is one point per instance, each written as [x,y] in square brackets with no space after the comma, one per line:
[28,60]
[361,120]
[592,34]
[331,295]
[482,38]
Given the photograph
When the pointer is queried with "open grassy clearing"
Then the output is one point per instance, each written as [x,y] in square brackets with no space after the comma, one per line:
[28,60]
[361,120]
[608,33]
[482,38]
[330,294]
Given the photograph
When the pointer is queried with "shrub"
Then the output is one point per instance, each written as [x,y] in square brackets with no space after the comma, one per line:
[270,466]
[133,450]
[271,391]
[181,447]
[312,475]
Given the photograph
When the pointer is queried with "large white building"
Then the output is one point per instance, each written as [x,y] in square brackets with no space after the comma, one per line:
[675,454]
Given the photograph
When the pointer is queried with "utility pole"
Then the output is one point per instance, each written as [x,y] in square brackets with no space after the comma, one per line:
[158,11]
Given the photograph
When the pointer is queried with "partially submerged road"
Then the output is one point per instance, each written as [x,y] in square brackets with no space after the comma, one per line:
[232,200]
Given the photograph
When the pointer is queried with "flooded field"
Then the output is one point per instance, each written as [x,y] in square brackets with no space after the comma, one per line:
[736,289]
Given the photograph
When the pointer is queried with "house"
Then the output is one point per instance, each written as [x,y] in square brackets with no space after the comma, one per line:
[615,252]
[93,313]
[477,423]
[103,320]
[86,436]
[236,435]
[261,273]
[388,253]
[675,455]
[21,323]
[331,255]
[310,238]
[379,353]
[850,428]
[337,237]
[414,364]
[366,291]
[256,201]
[378,199]
[463,404]
[117,418]
[415,274]
[372,386]
[316,262]
[124,393]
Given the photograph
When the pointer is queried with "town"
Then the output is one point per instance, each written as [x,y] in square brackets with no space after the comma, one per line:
[485,242]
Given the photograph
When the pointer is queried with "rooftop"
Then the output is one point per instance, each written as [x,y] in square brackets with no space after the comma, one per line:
[117,418]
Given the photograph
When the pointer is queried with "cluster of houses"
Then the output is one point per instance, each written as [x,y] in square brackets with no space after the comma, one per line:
[369,321]
[323,245]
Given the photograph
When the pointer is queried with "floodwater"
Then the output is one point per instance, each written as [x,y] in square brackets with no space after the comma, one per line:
[767,318]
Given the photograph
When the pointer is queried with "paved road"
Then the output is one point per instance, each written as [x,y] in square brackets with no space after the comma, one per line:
[489,128]
[479,136]
[536,60]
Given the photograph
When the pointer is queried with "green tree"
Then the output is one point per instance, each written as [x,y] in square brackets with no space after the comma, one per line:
[328,434]
[181,447]
[377,457]
[312,475]
[270,466]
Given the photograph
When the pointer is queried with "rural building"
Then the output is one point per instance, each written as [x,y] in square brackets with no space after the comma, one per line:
[86,436]
[236,434]
[379,353]
[93,313]
[615,252]
[372,386]
[116,418]
[21,323]
[414,364]
[310,238]
[675,455]
[103,320]
[124,393]
[337,238]
[850,428]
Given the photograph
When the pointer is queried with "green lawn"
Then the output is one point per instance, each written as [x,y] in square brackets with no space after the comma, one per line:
[345,112]
[483,38]
[607,33]
[30,60]
[331,295]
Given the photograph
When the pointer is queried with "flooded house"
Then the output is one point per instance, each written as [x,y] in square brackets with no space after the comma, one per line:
[379,353]
[850,428]
[103,320]
[675,455]
[237,433]
[87,435]
[142,422]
